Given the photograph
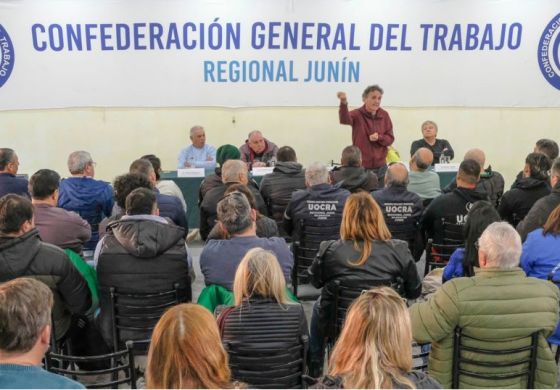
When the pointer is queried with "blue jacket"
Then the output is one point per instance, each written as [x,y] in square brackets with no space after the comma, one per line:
[454,268]
[91,199]
[541,253]
[11,184]
[171,207]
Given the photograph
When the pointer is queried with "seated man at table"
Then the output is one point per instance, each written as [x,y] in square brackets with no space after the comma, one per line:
[421,179]
[491,182]
[351,175]
[199,154]
[257,151]
[454,206]
[233,172]
[219,258]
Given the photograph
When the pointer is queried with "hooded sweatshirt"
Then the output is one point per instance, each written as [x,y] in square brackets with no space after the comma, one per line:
[517,202]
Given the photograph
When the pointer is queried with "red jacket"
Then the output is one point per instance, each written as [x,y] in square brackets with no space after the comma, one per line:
[363,125]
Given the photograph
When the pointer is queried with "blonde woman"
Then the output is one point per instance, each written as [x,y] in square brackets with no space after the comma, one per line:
[374,349]
[263,319]
[365,252]
[186,351]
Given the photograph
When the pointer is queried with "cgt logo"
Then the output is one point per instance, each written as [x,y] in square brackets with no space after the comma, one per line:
[548,52]
[6,56]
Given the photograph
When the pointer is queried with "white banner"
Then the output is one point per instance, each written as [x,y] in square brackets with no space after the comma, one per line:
[140,53]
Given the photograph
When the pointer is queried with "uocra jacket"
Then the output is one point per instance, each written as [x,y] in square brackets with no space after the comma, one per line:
[140,256]
[389,260]
[28,256]
[494,305]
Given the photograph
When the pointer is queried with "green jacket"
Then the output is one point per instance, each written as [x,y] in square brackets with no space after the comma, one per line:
[497,305]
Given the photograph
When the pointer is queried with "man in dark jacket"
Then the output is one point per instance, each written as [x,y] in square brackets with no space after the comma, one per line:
[223,153]
[91,199]
[233,172]
[22,253]
[321,203]
[454,206]
[526,190]
[277,187]
[490,182]
[257,151]
[401,208]
[9,182]
[141,253]
[351,175]
[540,211]
[169,206]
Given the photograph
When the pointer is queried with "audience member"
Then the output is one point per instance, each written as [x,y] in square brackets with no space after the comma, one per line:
[59,227]
[537,216]
[224,153]
[199,154]
[491,183]
[141,253]
[320,203]
[166,187]
[233,172]
[91,199]
[277,187]
[186,352]
[22,253]
[25,336]
[364,252]
[9,182]
[169,206]
[351,175]
[219,258]
[266,227]
[454,206]
[401,208]
[526,190]
[438,146]
[374,350]
[421,179]
[463,261]
[497,305]
[257,151]
[539,258]
[372,129]
[263,313]
[547,147]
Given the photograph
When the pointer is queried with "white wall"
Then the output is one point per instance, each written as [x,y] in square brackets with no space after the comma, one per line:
[115,137]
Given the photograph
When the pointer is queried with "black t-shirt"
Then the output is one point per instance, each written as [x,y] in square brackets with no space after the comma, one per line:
[441,146]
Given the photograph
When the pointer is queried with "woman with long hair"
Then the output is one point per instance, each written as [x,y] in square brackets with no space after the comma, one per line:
[263,315]
[364,253]
[464,260]
[374,348]
[186,352]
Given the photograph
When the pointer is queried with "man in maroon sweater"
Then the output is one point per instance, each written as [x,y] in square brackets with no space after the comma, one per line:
[372,129]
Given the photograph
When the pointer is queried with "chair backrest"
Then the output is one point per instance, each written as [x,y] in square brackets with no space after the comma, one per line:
[69,366]
[493,364]
[453,234]
[265,344]
[134,315]
[420,354]
[344,293]
[306,246]
[437,255]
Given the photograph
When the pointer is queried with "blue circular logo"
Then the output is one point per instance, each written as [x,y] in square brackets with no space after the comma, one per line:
[548,52]
[7,56]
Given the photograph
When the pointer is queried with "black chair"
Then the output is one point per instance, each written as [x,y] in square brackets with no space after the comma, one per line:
[437,255]
[69,366]
[134,315]
[489,364]
[269,365]
[306,246]
[453,234]
[420,356]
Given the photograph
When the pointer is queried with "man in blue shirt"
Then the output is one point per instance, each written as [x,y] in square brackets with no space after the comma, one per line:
[199,154]
[25,320]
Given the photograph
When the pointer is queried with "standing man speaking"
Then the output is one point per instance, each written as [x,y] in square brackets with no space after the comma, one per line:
[372,129]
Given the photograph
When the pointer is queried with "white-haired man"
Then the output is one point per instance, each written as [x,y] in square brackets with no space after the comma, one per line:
[497,305]
[257,151]
[199,154]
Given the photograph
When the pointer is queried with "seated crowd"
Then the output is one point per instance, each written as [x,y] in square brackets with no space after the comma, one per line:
[86,266]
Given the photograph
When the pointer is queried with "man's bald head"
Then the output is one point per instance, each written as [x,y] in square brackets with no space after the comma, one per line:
[423,158]
[397,175]
[476,155]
